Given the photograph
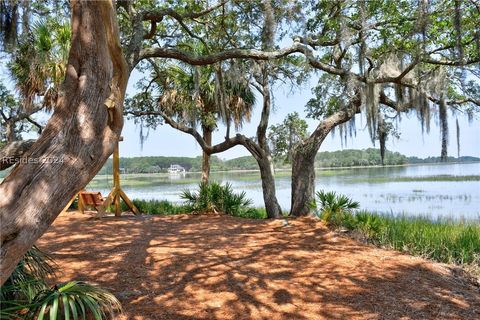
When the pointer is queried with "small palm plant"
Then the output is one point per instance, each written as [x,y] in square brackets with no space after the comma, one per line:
[74,299]
[335,209]
[213,197]
[26,295]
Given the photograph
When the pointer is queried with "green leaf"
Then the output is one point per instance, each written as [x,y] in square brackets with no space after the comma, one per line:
[66,306]
[54,309]
[73,307]
[41,315]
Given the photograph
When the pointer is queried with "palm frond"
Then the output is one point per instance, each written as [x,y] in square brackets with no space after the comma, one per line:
[77,300]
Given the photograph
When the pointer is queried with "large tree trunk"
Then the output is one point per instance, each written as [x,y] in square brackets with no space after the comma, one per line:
[207,136]
[303,179]
[303,162]
[268,187]
[78,138]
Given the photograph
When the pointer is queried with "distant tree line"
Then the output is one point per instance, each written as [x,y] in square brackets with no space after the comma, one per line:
[414,160]
[343,158]
[351,157]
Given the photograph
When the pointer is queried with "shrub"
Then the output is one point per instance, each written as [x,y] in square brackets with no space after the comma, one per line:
[214,197]
[335,210]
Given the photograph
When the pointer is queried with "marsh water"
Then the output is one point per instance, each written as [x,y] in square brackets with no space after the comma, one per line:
[440,190]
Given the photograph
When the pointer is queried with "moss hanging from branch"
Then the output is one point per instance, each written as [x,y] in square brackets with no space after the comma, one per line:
[458,139]
[382,133]
[419,99]
[370,103]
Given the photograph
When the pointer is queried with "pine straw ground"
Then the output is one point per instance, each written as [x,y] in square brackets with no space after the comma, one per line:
[220,267]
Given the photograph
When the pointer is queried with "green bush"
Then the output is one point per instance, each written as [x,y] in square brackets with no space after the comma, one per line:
[335,210]
[214,197]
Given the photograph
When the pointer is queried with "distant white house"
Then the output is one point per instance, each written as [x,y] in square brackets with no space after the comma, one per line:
[176,169]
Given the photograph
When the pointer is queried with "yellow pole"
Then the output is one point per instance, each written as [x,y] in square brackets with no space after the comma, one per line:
[117,192]
[116,180]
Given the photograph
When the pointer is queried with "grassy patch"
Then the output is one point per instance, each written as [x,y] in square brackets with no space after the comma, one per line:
[161,207]
[442,240]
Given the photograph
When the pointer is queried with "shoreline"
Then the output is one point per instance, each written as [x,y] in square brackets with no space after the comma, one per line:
[316,168]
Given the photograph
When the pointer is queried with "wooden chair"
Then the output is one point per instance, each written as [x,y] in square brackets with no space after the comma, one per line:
[91,199]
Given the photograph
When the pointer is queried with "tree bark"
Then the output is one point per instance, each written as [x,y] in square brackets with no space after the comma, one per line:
[303,160]
[274,211]
[207,137]
[78,138]
[303,179]
[11,153]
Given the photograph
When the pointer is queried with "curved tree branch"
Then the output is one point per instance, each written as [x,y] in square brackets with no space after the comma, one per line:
[13,151]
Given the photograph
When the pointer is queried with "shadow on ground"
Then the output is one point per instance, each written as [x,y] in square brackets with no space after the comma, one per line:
[219,267]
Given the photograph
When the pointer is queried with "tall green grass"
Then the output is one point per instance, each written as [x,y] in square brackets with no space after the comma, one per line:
[161,207]
[442,240]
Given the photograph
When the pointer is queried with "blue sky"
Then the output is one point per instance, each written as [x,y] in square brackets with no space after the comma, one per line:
[165,141]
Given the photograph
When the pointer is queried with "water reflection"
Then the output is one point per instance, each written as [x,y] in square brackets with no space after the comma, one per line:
[377,189]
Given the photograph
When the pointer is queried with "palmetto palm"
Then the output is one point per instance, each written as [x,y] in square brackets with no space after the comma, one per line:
[26,295]
[203,96]
[39,63]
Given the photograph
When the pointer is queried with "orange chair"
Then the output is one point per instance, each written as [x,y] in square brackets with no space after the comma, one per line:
[92,199]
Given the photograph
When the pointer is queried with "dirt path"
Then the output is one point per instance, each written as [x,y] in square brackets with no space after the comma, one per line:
[219,267]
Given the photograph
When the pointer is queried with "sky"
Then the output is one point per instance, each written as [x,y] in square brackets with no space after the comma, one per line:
[166,141]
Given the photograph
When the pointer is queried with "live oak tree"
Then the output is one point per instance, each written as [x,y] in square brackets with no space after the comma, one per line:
[343,39]
[76,141]
[386,57]
[88,114]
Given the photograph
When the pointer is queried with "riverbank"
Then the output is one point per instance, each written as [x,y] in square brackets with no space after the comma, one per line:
[221,267]
[444,241]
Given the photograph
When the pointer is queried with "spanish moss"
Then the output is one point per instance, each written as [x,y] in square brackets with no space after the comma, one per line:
[458,139]
[370,103]
[382,137]
[422,21]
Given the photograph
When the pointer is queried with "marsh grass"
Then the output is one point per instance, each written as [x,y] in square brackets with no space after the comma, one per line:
[442,240]
[160,207]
